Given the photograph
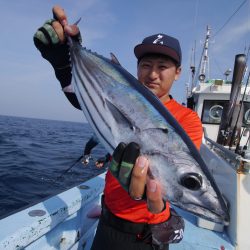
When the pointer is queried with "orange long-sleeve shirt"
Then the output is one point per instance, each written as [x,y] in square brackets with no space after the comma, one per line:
[117,199]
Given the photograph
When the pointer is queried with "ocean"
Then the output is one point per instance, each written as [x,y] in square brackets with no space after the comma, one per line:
[34,155]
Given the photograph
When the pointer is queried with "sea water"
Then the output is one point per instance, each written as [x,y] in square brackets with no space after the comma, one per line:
[34,154]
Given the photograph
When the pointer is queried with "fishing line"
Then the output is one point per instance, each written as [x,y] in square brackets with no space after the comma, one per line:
[67,170]
[216,33]
[70,167]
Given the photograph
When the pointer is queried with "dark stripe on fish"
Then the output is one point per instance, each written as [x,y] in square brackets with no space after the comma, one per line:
[93,121]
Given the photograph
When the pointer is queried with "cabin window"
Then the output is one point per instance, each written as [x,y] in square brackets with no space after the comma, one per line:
[212,111]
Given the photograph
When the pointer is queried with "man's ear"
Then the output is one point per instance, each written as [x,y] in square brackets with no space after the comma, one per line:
[178,72]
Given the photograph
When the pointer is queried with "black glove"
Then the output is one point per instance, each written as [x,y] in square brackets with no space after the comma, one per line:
[48,43]
[170,231]
[122,163]
[57,53]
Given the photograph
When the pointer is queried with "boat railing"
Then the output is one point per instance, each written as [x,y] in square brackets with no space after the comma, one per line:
[237,162]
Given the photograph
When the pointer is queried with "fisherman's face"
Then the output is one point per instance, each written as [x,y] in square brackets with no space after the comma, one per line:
[158,74]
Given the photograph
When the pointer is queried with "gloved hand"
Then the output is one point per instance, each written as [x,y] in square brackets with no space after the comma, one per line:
[131,172]
[52,49]
[123,161]
[50,40]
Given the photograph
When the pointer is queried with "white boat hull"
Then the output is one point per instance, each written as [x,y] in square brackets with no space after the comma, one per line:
[66,221]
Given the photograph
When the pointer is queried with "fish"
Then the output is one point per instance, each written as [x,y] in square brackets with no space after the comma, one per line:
[121,109]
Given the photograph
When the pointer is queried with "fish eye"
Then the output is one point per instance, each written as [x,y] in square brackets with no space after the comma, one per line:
[165,130]
[133,128]
[192,181]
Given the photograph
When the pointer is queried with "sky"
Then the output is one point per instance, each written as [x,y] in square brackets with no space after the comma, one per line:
[28,87]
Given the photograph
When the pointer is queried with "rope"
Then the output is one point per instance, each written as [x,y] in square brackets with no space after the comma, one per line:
[216,33]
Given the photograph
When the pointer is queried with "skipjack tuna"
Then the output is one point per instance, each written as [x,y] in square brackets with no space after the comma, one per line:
[120,109]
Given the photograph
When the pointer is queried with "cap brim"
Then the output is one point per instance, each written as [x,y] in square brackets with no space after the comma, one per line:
[142,49]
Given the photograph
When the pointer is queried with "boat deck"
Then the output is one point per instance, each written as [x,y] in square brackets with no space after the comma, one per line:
[63,222]
[196,238]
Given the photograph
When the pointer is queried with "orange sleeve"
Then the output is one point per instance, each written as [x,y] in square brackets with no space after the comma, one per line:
[188,119]
[191,123]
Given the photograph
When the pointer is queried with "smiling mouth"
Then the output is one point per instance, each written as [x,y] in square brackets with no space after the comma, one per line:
[152,85]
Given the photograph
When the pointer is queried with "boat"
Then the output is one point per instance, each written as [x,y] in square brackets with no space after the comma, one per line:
[69,220]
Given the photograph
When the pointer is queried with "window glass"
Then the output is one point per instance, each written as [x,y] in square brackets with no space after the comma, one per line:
[212,111]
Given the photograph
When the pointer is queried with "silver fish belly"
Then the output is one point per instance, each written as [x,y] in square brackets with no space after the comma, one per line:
[120,109]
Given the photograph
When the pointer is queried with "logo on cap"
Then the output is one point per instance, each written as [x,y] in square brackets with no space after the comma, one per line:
[158,40]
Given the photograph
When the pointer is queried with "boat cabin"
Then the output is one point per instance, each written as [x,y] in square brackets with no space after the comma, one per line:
[209,99]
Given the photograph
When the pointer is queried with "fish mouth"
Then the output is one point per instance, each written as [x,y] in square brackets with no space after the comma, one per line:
[218,218]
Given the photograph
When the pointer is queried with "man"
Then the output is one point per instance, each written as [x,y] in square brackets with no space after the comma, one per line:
[137,218]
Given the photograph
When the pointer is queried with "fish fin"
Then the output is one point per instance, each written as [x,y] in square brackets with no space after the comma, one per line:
[78,21]
[119,116]
[114,59]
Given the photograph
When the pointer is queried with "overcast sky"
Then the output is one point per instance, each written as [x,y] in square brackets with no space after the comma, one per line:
[28,85]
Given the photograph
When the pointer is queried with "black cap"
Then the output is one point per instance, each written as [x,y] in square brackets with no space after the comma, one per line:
[159,44]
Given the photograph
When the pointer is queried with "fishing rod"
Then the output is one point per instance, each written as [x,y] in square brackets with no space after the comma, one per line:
[242,102]
[230,110]
[68,169]
[73,164]
[238,144]
[248,139]
[238,115]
